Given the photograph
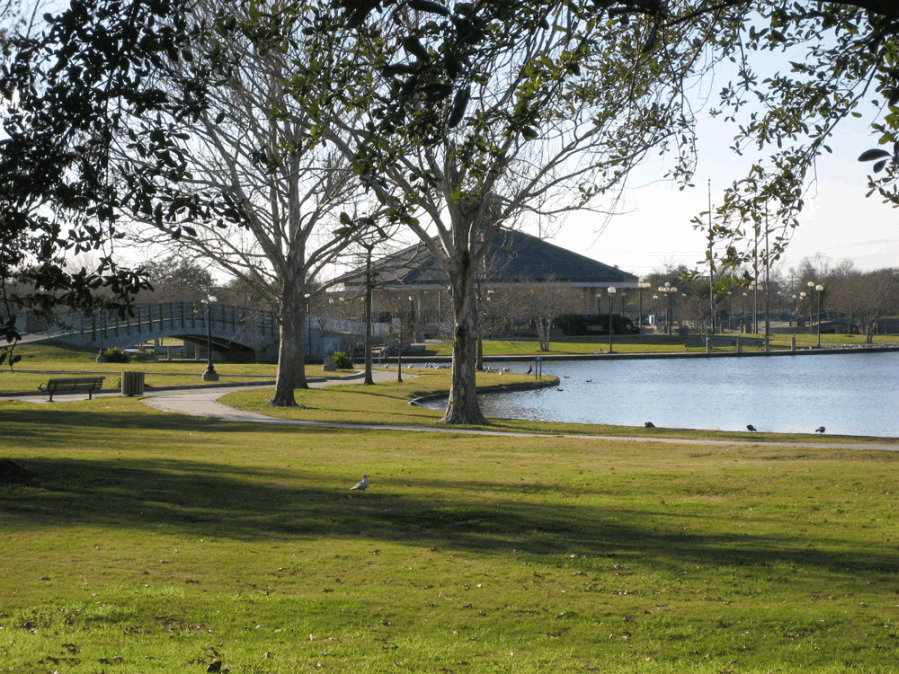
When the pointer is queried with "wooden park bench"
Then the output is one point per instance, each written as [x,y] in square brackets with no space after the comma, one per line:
[75,385]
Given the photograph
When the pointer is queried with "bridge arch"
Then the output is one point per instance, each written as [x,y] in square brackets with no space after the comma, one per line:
[230,328]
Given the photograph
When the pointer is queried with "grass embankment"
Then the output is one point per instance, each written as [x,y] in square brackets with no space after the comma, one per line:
[150,542]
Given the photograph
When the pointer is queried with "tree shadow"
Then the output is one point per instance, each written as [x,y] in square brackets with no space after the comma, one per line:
[254,503]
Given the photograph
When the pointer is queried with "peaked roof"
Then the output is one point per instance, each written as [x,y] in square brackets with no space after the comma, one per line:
[514,258]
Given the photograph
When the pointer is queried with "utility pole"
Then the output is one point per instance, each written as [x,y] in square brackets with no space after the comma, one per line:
[711,267]
[767,285]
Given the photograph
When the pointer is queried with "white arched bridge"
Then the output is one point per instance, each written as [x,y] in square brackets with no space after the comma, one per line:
[229,328]
[234,332]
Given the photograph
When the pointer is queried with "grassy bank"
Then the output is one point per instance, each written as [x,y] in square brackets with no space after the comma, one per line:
[141,541]
[650,344]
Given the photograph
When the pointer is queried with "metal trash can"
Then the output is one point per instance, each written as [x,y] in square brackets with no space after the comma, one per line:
[132,383]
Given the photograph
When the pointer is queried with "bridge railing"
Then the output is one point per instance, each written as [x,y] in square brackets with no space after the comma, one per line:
[247,325]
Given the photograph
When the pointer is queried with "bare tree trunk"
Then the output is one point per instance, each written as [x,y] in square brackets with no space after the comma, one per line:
[543,326]
[369,380]
[399,356]
[291,352]
[463,407]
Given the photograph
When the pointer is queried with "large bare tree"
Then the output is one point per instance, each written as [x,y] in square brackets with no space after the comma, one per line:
[867,297]
[273,198]
[465,136]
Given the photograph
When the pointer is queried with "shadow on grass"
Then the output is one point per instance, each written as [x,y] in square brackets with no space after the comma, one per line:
[251,504]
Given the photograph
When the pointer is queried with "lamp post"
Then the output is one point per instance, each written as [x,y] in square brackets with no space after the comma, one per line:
[818,288]
[399,354]
[641,286]
[730,311]
[308,354]
[802,297]
[210,374]
[612,292]
[668,289]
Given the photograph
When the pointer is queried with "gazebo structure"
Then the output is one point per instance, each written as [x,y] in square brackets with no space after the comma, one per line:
[412,280]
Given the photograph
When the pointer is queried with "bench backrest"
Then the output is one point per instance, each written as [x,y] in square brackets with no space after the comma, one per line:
[86,382]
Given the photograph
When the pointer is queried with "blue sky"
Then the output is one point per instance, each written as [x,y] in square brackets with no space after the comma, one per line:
[655,225]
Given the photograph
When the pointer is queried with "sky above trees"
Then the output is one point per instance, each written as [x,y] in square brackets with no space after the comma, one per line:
[654,225]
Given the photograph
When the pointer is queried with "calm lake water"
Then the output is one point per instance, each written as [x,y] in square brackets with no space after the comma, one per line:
[851,394]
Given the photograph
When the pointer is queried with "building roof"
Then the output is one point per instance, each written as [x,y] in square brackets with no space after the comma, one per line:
[514,258]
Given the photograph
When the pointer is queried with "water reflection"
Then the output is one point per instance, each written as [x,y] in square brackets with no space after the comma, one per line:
[849,394]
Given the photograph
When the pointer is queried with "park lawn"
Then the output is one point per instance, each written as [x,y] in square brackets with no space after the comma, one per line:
[499,348]
[42,362]
[20,380]
[156,376]
[148,542]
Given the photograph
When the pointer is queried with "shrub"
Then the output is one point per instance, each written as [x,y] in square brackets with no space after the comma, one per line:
[116,356]
[342,361]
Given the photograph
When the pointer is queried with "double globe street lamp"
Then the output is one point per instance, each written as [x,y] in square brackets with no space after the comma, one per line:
[641,286]
[668,289]
[819,289]
[612,292]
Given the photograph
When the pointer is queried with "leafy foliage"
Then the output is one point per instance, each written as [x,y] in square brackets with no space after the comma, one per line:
[842,58]
[342,361]
[68,94]
[116,355]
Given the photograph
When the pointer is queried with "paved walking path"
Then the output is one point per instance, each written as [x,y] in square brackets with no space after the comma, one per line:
[204,402]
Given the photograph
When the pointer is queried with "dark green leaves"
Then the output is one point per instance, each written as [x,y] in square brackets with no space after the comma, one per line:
[876,154]
[460,103]
[413,46]
[869,155]
[77,84]
[429,7]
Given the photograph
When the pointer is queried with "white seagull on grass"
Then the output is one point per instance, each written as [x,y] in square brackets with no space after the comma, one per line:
[361,485]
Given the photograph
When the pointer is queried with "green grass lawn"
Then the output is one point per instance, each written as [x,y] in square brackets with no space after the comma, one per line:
[40,363]
[646,344]
[141,541]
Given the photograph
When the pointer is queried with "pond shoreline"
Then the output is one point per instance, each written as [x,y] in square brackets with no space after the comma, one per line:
[845,394]
[810,351]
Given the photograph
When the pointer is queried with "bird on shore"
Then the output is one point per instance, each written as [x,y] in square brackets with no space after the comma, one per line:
[648,424]
[361,485]
[530,369]
[820,429]
[752,428]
